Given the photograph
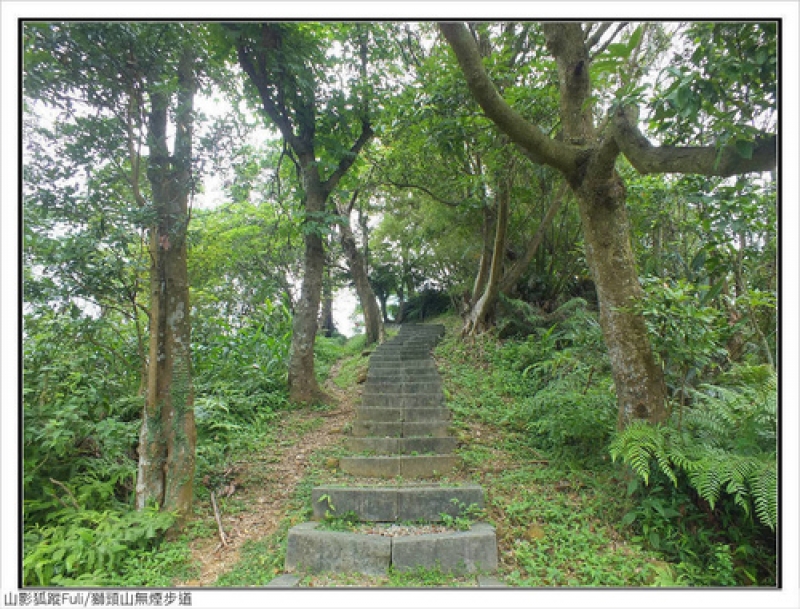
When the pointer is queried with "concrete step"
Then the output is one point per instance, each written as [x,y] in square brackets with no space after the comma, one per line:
[401,400]
[411,387]
[461,552]
[408,466]
[312,549]
[400,356]
[407,503]
[402,415]
[317,551]
[402,446]
[378,429]
[393,373]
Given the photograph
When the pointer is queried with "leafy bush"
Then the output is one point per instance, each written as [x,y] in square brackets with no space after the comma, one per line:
[85,547]
[688,333]
[240,381]
[247,360]
[80,414]
[561,381]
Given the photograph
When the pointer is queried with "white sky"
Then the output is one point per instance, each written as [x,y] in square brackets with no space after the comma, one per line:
[9,364]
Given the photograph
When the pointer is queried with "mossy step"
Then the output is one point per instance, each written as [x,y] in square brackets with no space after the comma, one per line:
[406,503]
[402,446]
[409,429]
[407,466]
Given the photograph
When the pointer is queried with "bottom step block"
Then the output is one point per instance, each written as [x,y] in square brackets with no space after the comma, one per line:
[469,551]
[315,551]
[460,552]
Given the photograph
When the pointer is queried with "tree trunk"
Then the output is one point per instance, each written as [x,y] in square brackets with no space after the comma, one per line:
[303,386]
[373,323]
[328,326]
[511,278]
[641,392]
[168,436]
[481,315]
[639,381]
[485,266]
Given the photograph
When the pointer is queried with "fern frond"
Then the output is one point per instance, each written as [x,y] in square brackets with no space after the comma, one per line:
[764,483]
[638,444]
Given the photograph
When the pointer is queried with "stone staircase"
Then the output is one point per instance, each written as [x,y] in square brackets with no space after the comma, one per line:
[401,435]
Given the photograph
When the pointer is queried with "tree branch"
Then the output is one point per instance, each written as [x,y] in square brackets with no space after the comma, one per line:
[722,161]
[599,34]
[427,191]
[539,147]
[349,158]
[280,119]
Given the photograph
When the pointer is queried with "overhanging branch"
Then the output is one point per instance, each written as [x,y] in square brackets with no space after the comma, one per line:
[722,161]
[540,148]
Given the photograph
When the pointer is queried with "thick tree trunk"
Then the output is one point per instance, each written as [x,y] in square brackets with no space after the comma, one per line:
[639,381]
[641,392]
[168,436]
[373,323]
[303,386]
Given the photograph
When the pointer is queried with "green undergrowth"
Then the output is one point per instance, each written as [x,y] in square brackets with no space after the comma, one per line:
[694,512]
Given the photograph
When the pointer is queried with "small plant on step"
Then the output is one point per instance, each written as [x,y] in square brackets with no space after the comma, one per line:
[468,515]
[347,522]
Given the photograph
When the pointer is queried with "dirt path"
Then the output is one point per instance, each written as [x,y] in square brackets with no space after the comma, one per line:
[271,480]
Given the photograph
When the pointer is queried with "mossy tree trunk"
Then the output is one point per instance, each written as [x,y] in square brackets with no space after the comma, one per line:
[168,435]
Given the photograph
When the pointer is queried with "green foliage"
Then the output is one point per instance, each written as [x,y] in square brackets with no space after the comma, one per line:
[722,82]
[687,332]
[86,547]
[80,419]
[724,457]
[253,245]
[343,523]
[564,399]
[159,567]
[728,446]
[239,380]
[466,516]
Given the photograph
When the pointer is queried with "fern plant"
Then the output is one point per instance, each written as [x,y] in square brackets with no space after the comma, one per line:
[726,446]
